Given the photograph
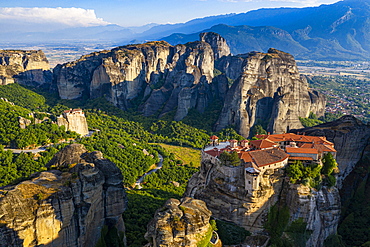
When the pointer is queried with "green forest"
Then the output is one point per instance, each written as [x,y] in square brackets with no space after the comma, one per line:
[131,141]
[125,138]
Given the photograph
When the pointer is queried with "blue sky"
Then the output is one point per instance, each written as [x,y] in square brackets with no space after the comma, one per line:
[133,12]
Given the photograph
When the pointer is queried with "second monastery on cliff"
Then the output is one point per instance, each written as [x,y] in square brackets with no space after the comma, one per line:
[271,152]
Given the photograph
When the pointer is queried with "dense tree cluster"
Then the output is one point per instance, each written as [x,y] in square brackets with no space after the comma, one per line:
[283,233]
[124,137]
[12,135]
[312,120]
[22,97]
[157,188]
[230,159]
[16,167]
[313,174]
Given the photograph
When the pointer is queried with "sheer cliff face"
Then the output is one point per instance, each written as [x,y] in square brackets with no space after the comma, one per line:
[67,208]
[222,188]
[24,67]
[269,91]
[351,138]
[164,77]
[167,76]
[219,46]
[179,223]
[74,122]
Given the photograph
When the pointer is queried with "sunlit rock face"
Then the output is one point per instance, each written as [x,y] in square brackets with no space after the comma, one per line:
[179,223]
[167,77]
[159,78]
[64,207]
[223,189]
[74,120]
[29,68]
[268,91]
[218,43]
[163,77]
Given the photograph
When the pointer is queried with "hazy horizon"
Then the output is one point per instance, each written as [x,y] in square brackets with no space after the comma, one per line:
[128,13]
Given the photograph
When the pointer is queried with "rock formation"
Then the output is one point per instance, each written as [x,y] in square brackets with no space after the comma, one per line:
[319,209]
[351,138]
[24,67]
[268,89]
[74,120]
[166,76]
[222,188]
[67,206]
[24,122]
[179,223]
[218,43]
[269,92]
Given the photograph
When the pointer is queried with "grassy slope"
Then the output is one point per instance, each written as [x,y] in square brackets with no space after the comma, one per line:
[185,154]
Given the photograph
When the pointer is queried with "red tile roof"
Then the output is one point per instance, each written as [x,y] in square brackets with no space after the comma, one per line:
[297,138]
[214,152]
[268,156]
[264,143]
[214,137]
[306,145]
[245,156]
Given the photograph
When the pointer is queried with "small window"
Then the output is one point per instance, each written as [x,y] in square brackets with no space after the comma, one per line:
[255,178]
[249,182]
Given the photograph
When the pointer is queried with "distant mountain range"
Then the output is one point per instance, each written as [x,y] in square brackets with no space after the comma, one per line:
[339,31]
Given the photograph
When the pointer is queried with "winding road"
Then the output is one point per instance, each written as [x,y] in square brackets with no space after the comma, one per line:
[138,183]
[43,148]
[18,151]
[141,179]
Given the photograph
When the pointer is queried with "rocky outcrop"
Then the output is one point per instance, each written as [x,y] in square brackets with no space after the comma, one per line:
[319,209]
[222,188]
[24,67]
[179,223]
[269,92]
[166,76]
[74,120]
[218,43]
[268,89]
[351,138]
[65,206]
[24,122]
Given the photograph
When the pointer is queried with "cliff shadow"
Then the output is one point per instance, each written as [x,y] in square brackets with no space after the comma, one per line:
[142,205]
[9,237]
[35,78]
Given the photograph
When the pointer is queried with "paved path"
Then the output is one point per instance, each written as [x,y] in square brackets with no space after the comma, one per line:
[141,179]
[18,151]
[43,148]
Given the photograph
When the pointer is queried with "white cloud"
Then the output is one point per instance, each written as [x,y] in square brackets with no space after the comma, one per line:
[74,17]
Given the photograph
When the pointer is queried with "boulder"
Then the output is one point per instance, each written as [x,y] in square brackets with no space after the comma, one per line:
[67,206]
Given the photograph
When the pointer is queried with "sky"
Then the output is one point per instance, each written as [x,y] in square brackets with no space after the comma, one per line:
[76,13]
